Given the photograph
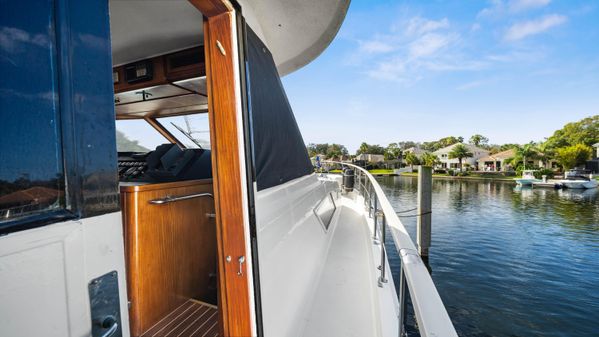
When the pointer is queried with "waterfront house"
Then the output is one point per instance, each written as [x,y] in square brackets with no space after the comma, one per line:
[496,162]
[418,152]
[593,165]
[371,158]
[446,162]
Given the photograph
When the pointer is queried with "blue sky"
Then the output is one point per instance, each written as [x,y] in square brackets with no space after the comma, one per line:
[512,70]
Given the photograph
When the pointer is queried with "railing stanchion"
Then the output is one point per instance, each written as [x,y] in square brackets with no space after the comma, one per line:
[375,236]
[382,278]
[370,200]
[402,303]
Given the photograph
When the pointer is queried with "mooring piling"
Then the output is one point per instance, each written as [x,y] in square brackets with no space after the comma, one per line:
[425,183]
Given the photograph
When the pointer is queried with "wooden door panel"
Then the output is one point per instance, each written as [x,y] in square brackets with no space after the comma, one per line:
[171,249]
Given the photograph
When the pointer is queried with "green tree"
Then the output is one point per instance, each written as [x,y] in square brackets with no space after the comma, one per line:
[441,143]
[573,156]
[479,140]
[411,159]
[460,152]
[336,151]
[316,149]
[363,148]
[370,149]
[585,131]
[545,153]
[429,159]
[525,152]
[408,144]
[393,152]
[329,150]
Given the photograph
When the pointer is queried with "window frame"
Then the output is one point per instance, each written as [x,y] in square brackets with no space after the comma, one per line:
[89,160]
[162,128]
[326,225]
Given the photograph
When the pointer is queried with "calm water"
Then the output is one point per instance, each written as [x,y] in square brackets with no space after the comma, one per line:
[511,262]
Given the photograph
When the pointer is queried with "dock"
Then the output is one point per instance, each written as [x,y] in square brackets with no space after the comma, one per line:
[551,183]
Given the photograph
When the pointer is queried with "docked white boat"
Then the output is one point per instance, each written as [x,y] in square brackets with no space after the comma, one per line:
[579,179]
[231,234]
[578,182]
[528,178]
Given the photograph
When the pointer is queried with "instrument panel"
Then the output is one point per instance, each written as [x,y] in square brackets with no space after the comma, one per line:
[167,163]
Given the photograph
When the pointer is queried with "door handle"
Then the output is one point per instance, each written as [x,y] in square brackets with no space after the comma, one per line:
[169,199]
[110,323]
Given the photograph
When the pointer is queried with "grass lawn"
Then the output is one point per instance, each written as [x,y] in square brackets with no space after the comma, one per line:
[471,176]
[381,171]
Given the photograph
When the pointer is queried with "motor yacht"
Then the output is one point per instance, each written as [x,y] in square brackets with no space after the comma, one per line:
[154,181]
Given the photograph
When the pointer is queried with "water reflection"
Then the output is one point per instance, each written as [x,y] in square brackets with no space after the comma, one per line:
[511,262]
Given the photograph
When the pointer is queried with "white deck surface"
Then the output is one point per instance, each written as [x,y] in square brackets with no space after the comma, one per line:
[346,301]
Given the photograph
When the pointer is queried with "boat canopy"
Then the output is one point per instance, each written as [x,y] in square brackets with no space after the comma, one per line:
[296,32]
[280,153]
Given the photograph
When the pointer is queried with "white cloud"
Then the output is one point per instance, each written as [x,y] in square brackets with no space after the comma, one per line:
[419,26]
[516,6]
[407,49]
[429,44]
[524,29]
[499,7]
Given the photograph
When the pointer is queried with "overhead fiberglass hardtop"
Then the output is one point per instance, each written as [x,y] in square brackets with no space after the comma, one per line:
[296,32]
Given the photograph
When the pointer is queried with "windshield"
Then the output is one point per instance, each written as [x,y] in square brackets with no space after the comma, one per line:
[192,131]
[136,135]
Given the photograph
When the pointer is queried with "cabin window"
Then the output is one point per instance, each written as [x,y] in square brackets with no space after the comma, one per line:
[324,211]
[32,174]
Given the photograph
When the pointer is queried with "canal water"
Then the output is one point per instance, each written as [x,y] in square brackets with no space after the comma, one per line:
[510,261]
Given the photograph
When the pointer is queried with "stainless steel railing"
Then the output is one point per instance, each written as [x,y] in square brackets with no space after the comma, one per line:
[414,277]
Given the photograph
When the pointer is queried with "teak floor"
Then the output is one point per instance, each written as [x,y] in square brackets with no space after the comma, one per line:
[191,319]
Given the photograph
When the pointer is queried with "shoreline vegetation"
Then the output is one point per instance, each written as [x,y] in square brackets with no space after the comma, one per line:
[568,148]
[391,173]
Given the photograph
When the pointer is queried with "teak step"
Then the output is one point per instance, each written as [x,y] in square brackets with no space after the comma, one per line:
[192,318]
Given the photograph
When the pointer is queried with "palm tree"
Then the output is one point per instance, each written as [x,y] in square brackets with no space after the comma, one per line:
[545,153]
[526,151]
[460,151]
[411,159]
[363,148]
[429,159]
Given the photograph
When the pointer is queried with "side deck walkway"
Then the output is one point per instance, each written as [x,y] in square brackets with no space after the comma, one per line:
[346,299]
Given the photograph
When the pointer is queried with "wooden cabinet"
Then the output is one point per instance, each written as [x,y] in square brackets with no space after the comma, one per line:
[170,249]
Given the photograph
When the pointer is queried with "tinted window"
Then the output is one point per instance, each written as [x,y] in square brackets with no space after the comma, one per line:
[31,169]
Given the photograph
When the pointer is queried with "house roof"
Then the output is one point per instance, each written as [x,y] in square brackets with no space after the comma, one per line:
[499,156]
[471,148]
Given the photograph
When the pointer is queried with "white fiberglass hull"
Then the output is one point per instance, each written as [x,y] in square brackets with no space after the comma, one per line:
[580,184]
[526,181]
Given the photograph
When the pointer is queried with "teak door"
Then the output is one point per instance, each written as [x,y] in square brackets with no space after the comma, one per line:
[229,167]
